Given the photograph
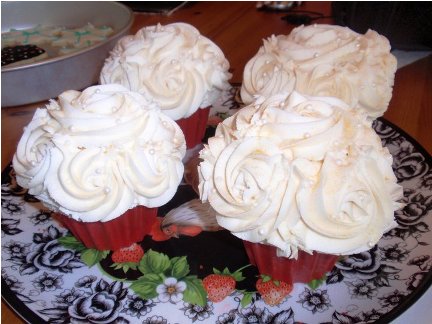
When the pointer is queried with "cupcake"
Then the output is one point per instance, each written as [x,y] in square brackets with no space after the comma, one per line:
[301,180]
[183,71]
[324,60]
[103,160]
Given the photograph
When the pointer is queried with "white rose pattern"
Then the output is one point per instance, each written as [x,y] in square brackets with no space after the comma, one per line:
[97,153]
[324,60]
[175,65]
[300,172]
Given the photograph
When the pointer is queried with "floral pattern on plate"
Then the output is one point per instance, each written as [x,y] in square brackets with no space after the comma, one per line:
[51,281]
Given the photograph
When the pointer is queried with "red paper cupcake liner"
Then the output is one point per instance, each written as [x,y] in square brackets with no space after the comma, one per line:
[305,268]
[115,234]
[194,127]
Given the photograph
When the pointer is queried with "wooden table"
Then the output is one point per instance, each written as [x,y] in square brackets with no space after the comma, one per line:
[238,28]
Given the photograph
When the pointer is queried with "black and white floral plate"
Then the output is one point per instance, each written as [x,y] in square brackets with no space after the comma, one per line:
[46,278]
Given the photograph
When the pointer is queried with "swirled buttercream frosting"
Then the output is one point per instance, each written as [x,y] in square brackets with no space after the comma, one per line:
[324,60]
[93,155]
[179,68]
[300,172]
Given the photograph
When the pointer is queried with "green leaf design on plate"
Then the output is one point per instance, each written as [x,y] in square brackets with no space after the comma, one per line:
[145,286]
[92,256]
[125,266]
[195,293]
[70,242]
[179,267]
[157,266]
[236,275]
[247,298]
[315,283]
[154,262]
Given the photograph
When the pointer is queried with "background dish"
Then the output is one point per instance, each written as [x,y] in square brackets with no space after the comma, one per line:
[375,286]
[48,78]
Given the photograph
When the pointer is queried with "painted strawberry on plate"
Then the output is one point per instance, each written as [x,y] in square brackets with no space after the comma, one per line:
[273,292]
[128,257]
[220,285]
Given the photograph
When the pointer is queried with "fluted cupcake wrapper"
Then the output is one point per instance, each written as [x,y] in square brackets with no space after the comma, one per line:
[194,127]
[305,268]
[118,233]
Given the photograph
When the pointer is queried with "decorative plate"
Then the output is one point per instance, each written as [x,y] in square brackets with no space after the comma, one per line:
[48,276]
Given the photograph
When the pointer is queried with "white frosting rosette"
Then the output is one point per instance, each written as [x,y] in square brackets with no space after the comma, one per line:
[300,172]
[325,60]
[179,68]
[93,155]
